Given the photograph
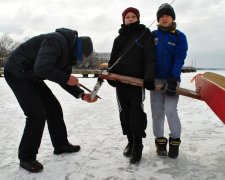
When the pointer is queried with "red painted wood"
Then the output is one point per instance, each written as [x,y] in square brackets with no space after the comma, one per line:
[212,94]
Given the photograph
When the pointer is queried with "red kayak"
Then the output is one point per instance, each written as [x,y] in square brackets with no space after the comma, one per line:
[211,88]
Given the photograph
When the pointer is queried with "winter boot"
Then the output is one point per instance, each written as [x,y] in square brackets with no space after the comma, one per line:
[174,147]
[160,144]
[128,149]
[32,166]
[67,148]
[136,153]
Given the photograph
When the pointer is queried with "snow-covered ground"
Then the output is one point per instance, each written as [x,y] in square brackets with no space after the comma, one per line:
[96,127]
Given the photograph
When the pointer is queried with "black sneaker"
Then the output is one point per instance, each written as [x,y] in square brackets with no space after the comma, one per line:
[32,166]
[174,147]
[161,144]
[67,148]
[128,149]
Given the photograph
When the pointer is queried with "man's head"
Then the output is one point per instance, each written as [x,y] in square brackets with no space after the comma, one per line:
[165,9]
[87,45]
[84,47]
[130,15]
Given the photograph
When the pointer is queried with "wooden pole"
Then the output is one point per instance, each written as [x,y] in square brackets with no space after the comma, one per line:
[139,82]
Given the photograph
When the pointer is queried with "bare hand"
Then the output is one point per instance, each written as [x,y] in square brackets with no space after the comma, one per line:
[87,98]
[73,81]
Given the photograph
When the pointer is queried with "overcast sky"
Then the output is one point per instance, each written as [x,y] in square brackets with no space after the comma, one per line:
[202,21]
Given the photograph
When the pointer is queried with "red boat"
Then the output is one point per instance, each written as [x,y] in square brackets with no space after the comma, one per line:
[211,88]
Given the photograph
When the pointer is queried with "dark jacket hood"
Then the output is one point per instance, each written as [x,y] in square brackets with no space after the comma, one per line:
[69,34]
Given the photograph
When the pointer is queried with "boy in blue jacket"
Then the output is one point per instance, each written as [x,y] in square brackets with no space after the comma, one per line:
[171,48]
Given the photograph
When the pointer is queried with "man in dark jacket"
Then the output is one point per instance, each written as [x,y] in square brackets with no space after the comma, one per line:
[47,56]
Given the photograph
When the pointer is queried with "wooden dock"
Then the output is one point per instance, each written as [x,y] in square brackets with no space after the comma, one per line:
[186,69]
[84,72]
[95,72]
[1,72]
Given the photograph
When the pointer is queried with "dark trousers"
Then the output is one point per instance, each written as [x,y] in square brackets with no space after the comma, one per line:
[132,116]
[38,104]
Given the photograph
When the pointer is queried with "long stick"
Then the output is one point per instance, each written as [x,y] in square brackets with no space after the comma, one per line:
[139,82]
[81,85]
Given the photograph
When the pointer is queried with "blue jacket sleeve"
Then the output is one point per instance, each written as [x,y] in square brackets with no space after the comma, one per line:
[180,55]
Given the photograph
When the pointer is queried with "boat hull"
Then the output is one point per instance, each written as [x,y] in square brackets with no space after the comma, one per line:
[210,88]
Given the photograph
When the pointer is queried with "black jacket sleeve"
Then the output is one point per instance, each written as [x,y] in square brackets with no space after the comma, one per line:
[73,90]
[113,58]
[114,53]
[149,55]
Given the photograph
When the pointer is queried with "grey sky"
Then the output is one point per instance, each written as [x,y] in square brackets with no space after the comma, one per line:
[202,22]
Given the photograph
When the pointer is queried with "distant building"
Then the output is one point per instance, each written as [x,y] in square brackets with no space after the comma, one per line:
[188,69]
[2,60]
[104,56]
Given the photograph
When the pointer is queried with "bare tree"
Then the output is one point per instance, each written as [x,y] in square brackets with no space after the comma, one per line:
[7,45]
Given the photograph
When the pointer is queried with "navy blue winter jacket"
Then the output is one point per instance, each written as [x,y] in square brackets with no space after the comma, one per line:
[47,56]
[171,51]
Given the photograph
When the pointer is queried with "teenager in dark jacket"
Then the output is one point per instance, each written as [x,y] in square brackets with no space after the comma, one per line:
[47,56]
[171,47]
[135,48]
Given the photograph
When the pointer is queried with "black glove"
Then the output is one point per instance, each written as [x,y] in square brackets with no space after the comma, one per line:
[149,84]
[112,83]
[169,88]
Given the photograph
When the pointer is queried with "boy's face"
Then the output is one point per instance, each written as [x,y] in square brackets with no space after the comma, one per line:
[130,18]
[165,20]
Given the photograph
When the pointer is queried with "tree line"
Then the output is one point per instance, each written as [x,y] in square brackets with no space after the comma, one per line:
[7,45]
